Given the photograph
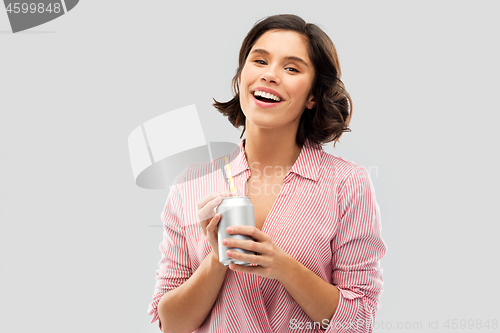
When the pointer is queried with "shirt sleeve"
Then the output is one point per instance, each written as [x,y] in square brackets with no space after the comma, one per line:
[174,266]
[357,249]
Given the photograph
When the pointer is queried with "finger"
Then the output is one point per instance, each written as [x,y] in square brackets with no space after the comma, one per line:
[249,258]
[253,232]
[208,210]
[248,245]
[203,201]
[246,269]
[212,226]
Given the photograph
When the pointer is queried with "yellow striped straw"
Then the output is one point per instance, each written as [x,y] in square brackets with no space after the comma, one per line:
[229,175]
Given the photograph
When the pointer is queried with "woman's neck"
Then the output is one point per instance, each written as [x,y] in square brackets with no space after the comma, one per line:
[271,148]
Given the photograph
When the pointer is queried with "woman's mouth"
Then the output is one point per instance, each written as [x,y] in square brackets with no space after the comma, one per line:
[266,99]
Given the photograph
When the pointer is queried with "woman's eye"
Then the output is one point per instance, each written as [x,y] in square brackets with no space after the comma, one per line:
[262,62]
[291,69]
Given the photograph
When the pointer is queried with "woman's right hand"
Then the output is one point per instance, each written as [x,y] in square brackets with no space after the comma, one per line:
[209,220]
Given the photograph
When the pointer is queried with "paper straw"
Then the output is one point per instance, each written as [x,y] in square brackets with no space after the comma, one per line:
[230,176]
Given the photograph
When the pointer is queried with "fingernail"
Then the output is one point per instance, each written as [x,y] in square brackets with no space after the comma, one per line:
[225,241]
[218,200]
[229,253]
[229,229]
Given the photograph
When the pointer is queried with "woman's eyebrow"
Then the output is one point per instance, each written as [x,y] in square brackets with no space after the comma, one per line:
[293,58]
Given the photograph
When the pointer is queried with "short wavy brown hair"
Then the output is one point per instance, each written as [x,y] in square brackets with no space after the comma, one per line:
[330,116]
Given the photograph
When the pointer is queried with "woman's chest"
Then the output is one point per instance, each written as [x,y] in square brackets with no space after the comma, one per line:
[263,195]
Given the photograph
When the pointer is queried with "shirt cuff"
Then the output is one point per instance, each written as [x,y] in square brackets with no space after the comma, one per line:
[344,318]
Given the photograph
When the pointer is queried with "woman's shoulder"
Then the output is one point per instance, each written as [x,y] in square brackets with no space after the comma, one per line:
[342,168]
[333,163]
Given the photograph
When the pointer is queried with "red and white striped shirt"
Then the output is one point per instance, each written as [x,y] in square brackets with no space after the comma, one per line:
[325,216]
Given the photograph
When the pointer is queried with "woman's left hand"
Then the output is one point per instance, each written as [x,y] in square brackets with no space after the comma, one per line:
[272,262]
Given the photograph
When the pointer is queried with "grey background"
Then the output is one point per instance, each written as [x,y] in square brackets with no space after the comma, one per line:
[79,240]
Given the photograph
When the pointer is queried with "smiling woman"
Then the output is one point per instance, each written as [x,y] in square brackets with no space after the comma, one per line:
[316,241]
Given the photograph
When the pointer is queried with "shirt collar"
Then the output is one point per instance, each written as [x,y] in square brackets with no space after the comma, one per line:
[309,161]
[307,164]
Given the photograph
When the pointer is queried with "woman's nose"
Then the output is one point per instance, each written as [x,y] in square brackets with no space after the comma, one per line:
[270,76]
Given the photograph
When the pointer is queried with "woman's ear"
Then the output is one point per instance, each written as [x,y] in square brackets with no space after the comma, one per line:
[310,102]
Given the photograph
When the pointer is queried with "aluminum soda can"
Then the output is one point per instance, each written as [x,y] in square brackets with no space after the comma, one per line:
[234,211]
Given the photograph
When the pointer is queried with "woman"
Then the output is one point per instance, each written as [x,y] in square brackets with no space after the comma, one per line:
[317,235]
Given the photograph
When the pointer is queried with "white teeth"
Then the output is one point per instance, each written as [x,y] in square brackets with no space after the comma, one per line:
[266,95]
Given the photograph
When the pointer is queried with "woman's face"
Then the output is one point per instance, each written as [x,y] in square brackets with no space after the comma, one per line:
[278,64]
